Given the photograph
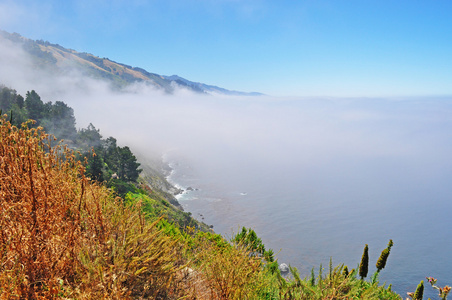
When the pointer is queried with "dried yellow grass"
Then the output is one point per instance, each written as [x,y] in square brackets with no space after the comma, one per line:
[63,236]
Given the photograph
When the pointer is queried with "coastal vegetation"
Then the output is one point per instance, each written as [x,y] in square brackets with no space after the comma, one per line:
[78,222]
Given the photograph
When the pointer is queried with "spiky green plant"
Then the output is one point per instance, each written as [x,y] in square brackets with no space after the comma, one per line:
[345,271]
[312,280]
[364,265]
[419,291]
[381,263]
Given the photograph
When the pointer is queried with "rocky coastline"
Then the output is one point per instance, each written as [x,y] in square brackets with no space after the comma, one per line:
[155,174]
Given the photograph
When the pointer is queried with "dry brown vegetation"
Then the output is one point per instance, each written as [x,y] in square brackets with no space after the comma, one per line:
[62,235]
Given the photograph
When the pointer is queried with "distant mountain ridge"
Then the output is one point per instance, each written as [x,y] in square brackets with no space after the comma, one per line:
[59,59]
[208,88]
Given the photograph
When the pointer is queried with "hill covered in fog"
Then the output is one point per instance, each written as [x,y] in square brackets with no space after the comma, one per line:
[60,60]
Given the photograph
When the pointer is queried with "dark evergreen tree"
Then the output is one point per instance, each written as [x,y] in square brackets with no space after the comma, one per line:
[111,154]
[128,165]
[13,105]
[20,101]
[7,97]
[19,115]
[34,106]
[89,137]
[121,187]
[95,166]
[62,121]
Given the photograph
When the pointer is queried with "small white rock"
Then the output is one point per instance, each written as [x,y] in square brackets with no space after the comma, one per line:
[284,268]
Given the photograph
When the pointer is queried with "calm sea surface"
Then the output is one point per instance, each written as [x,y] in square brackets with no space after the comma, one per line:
[315,178]
[353,174]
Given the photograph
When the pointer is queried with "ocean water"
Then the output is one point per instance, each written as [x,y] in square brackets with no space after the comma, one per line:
[315,178]
[319,181]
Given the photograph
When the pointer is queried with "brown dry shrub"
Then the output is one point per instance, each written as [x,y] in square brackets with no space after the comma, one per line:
[63,236]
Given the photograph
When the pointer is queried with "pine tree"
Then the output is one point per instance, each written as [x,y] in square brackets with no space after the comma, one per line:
[128,166]
[94,167]
[90,136]
[35,106]
[61,121]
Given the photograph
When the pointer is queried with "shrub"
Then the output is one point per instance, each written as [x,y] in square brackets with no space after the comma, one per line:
[230,271]
[62,235]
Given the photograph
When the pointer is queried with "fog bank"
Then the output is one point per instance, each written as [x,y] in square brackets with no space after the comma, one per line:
[226,133]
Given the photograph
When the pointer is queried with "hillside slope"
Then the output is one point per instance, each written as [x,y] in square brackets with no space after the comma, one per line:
[61,60]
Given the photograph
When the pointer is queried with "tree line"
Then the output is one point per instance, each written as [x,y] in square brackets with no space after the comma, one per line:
[105,160]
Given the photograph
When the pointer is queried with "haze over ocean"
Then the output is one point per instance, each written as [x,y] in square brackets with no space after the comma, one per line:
[340,174]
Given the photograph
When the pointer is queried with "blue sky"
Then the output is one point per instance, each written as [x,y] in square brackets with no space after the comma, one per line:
[281,48]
